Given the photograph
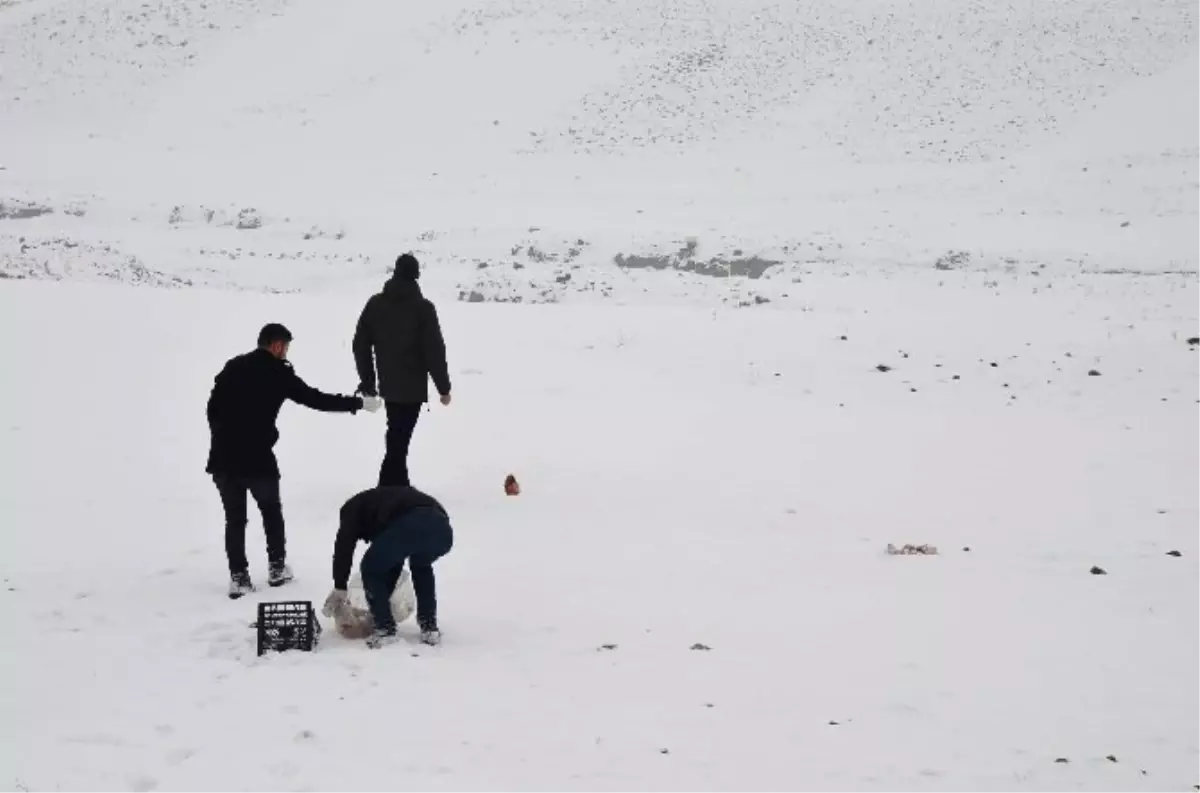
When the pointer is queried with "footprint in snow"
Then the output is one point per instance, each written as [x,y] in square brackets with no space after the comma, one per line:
[143,783]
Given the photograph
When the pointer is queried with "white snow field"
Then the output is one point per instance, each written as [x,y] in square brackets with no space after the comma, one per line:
[673,245]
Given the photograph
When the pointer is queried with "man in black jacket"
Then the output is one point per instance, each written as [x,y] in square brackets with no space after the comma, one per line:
[242,410]
[399,523]
[398,333]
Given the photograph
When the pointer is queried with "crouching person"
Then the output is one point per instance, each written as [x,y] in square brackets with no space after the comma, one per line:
[398,523]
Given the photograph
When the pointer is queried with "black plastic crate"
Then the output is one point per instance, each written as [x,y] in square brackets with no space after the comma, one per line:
[290,625]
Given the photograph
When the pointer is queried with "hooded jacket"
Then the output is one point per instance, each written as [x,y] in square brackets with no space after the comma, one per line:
[399,336]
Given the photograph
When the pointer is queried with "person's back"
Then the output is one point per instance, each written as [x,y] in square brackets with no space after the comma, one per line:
[242,413]
[407,340]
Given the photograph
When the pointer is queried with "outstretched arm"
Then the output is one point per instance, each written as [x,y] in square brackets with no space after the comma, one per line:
[433,350]
[363,346]
[302,393]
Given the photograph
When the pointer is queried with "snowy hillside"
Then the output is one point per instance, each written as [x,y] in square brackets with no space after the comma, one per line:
[797,281]
[820,135]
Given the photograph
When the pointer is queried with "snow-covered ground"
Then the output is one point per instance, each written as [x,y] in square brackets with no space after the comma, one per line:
[729,478]
[721,219]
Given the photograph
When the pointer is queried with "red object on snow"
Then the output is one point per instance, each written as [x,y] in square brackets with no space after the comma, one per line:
[511,487]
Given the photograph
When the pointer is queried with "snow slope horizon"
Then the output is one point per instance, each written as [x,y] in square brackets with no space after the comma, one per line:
[880,134]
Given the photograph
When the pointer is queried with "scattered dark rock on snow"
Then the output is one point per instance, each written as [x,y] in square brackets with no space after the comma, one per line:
[753,267]
[1111,758]
[664,751]
[883,367]
[956,377]
[967,548]
[249,219]
[607,647]
[22,210]
[1125,225]
[708,705]
[1062,760]
[1176,554]
[699,646]
[1193,341]
[834,724]
[994,365]
[952,260]
[1093,372]
[1099,571]
[843,338]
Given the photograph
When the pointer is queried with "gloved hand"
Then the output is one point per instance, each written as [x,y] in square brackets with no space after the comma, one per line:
[337,603]
[366,390]
[371,404]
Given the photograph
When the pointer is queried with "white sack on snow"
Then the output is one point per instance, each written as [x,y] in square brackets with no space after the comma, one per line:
[356,623]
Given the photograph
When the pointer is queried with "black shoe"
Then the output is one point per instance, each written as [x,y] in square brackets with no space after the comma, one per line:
[429,631]
[382,637]
[239,585]
[279,575]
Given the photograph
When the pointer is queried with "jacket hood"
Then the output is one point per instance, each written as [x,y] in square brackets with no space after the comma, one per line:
[402,289]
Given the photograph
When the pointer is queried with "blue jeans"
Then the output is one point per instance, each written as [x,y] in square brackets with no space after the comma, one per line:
[420,536]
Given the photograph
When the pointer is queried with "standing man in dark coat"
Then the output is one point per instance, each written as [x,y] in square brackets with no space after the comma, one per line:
[242,410]
[398,334]
[399,523]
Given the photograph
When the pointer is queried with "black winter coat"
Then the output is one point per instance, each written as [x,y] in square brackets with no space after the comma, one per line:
[399,327]
[244,405]
[365,515]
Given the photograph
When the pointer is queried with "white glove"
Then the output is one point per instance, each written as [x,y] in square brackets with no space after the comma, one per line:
[337,602]
[372,403]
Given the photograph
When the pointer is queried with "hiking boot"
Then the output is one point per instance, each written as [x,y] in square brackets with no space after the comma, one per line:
[279,575]
[382,637]
[239,585]
[429,632]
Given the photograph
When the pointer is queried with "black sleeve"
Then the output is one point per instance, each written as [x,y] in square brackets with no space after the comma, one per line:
[217,400]
[302,393]
[425,588]
[363,344]
[433,349]
[343,546]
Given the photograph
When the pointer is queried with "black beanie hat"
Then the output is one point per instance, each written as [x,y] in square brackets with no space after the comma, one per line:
[407,267]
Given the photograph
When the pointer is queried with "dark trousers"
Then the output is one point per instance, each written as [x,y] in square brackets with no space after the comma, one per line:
[401,421]
[233,491]
[424,532]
